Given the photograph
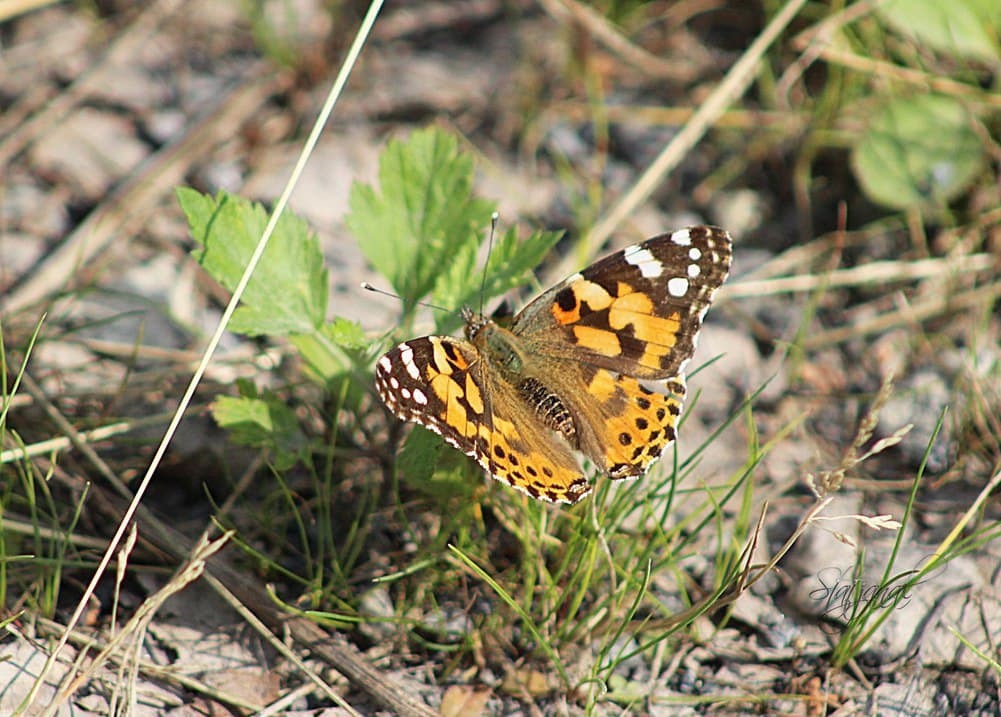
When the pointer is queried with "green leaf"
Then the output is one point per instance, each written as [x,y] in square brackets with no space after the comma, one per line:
[288,292]
[509,266]
[425,228]
[433,469]
[263,422]
[327,350]
[424,215]
[512,261]
[344,333]
[419,456]
[962,28]
[919,151]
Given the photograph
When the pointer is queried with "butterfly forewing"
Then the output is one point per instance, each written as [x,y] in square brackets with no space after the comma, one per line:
[638,311]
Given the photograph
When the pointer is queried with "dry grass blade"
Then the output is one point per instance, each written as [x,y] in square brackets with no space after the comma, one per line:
[10,9]
[887,71]
[877,272]
[64,442]
[190,571]
[734,85]
[570,11]
[20,527]
[912,313]
[790,122]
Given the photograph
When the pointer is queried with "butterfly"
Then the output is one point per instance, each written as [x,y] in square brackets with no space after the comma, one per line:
[593,366]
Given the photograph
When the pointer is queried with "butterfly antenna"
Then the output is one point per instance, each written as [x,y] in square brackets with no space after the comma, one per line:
[376,290]
[490,248]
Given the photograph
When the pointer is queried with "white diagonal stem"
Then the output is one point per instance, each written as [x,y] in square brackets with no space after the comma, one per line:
[314,136]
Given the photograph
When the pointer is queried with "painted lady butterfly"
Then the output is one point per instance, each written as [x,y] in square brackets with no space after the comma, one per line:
[569,374]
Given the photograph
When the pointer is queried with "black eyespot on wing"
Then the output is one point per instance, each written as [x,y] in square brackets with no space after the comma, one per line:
[566,300]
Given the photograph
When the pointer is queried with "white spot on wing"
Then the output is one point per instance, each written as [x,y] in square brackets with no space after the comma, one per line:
[407,356]
[677,287]
[385,364]
[694,253]
[682,237]
[420,397]
[643,260]
[693,271]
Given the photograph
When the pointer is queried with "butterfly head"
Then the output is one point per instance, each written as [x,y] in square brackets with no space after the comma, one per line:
[475,323]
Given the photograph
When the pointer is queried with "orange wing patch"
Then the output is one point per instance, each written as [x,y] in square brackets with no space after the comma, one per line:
[530,460]
[659,333]
[637,422]
[600,341]
[629,312]
[571,300]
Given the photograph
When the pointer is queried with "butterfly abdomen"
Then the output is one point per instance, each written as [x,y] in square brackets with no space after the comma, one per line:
[549,408]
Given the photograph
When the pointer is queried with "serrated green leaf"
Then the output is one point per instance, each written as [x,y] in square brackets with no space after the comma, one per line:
[423,213]
[344,333]
[288,292]
[962,28]
[919,151]
[512,261]
[327,350]
[262,422]
[510,266]
[456,284]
